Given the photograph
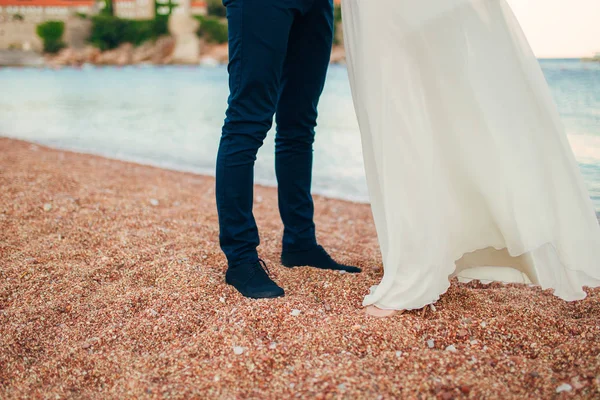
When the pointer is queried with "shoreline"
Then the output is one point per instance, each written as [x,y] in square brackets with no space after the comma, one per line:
[196,171]
[112,286]
[201,172]
[215,56]
[154,53]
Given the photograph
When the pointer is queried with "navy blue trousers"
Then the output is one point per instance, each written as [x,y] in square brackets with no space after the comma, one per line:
[279,54]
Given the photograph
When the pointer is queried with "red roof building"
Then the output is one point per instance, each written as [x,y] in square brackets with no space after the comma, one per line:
[47,3]
[40,10]
[134,9]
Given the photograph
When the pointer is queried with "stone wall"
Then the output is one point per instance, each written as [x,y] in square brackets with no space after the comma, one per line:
[21,58]
[77,32]
[134,9]
[20,35]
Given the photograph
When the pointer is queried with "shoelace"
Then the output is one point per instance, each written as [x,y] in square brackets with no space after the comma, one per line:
[263,266]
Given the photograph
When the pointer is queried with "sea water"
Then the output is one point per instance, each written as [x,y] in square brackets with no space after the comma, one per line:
[172,117]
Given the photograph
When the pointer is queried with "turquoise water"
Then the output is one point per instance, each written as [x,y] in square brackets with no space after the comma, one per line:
[172,116]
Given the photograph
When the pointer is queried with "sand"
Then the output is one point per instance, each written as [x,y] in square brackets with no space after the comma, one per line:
[112,286]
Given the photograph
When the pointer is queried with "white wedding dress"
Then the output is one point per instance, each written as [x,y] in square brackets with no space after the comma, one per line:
[467,161]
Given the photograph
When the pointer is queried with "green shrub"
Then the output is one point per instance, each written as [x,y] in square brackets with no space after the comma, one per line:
[337,21]
[213,29]
[54,47]
[137,32]
[110,32]
[337,14]
[108,9]
[51,33]
[107,32]
[216,8]
[160,25]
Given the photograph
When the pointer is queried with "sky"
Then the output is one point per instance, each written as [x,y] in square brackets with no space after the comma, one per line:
[560,28]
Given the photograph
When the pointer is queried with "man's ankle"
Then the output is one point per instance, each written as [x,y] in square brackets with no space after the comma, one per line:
[241,263]
[295,249]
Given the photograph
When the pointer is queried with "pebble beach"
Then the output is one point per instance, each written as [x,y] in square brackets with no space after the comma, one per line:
[112,286]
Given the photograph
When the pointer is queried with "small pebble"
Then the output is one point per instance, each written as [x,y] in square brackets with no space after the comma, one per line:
[398,354]
[483,324]
[576,384]
[565,387]
[342,386]
[89,343]
[273,345]
[430,343]
[154,202]
[238,350]
[47,207]
[295,312]
[222,299]
[451,348]
[343,272]
[447,395]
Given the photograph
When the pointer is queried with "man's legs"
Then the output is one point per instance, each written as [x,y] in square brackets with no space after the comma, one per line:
[304,73]
[258,37]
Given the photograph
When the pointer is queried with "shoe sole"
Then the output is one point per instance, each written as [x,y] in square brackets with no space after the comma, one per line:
[260,295]
[322,269]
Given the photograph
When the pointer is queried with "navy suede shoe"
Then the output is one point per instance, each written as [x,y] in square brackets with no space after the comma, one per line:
[253,281]
[317,258]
